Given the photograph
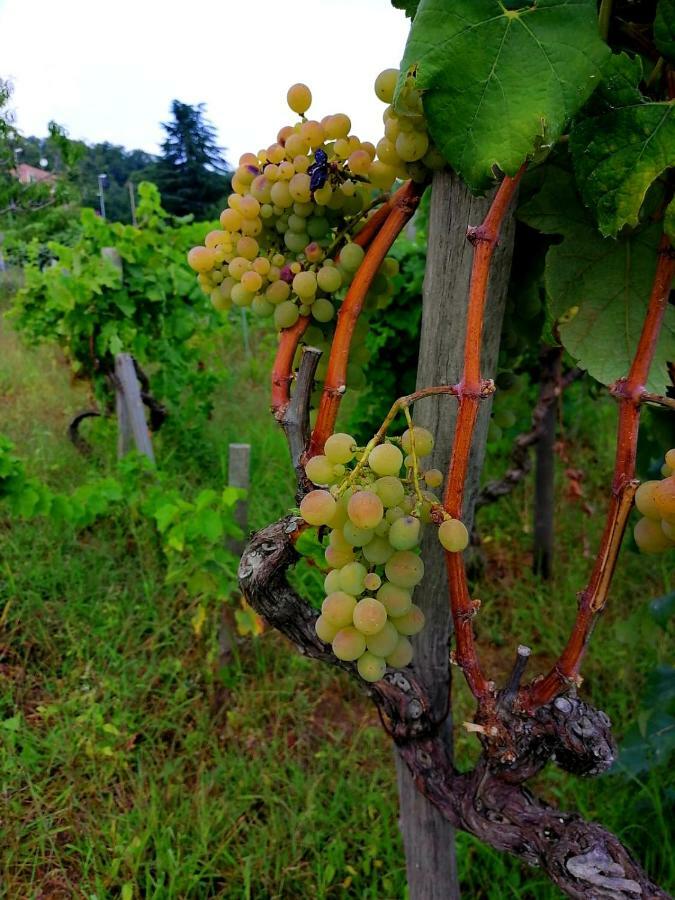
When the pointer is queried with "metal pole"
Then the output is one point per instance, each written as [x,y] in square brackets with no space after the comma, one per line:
[132,204]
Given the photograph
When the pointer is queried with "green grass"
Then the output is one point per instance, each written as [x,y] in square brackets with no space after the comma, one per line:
[133,765]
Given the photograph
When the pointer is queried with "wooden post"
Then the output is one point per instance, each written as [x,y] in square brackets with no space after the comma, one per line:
[133,429]
[427,836]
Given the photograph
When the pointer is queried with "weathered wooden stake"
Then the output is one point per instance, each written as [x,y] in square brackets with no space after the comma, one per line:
[133,429]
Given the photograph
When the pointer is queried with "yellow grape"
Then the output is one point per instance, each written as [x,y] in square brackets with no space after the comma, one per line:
[371,667]
[325,630]
[201,259]
[424,441]
[397,600]
[390,490]
[336,559]
[319,469]
[351,578]
[385,459]
[650,537]
[369,616]
[338,608]
[664,498]
[644,499]
[299,98]
[364,508]
[372,581]
[411,622]
[348,644]
[402,654]
[670,459]
[404,568]
[384,642]
[357,537]
[317,507]
[385,85]
[433,477]
[331,582]
[453,535]
[340,447]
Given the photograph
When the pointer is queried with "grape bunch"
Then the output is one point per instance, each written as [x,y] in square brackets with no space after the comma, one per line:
[375,514]
[285,247]
[655,531]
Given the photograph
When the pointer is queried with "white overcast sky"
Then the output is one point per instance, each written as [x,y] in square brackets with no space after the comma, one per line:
[109,70]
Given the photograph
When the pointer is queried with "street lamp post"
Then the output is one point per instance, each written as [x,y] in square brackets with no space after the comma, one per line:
[102,183]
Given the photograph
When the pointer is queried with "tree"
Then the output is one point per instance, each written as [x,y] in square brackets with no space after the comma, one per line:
[192,174]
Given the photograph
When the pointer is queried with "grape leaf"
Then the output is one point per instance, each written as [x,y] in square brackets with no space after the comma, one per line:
[618,155]
[499,82]
[664,28]
[598,287]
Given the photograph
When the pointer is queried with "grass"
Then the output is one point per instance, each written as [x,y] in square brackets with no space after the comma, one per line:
[134,766]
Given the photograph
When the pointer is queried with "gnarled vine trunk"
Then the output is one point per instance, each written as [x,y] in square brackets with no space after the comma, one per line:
[428,837]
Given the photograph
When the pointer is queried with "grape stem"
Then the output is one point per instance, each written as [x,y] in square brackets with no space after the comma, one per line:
[289,339]
[630,394]
[403,205]
[469,392]
[657,400]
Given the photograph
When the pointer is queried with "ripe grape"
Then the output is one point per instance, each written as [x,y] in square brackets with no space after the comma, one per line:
[201,259]
[410,622]
[365,509]
[349,644]
[402,654]
[384,642]
[385,459]
[412,145]
[405,533]
[369,616]
[371,667]
[351,257]
[286,314]
[670,459]
[338,540]
[304,284]
[323,310]
[299,98]
[317,507]
[325,630]
[351,578]
[664,498]
[378,550]
[424,441]
[357,537]
[404,568]
[319,469]
[394,513]
[390,490]
[385,85]
[372,581]
[336,559]
[644,499]
[397,600]
[453,535]
[650,537]
[338,608]
[331,582]
[329,279]
[433,477]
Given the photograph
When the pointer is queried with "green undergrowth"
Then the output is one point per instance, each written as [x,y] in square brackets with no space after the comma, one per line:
[135,764]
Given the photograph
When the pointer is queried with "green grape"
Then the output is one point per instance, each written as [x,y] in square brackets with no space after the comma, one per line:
[351,578]
[394,513]
[371,667]
[340,447]
[357,537]
[365,509]
[338,540]
[336,559]
[433,477]
[410,622]
[664,498]
[296,242]
[323,310]
[369,616]
[405,533]
[402,654]
[304,285]
[385,85]
[286,314]
[383,528]
[412,145]
[277,292]
[338,609]
[424,441]
[240,296]
[644,499]
[318,227]
[453,535]
[351,257]
[349,644]
[325,630]
[331,582]
[404,568]
[385,459]
[378,551]
[329,279]
[650,537]
[372,581]
[297,224]
[260,307]
[397,600]
[317,507]
[384,642]
[319,470]
[390,490]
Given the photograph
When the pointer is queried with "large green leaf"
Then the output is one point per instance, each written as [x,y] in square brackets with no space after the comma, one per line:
[664,28]
[618,155]
[598,288]
[500,82]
